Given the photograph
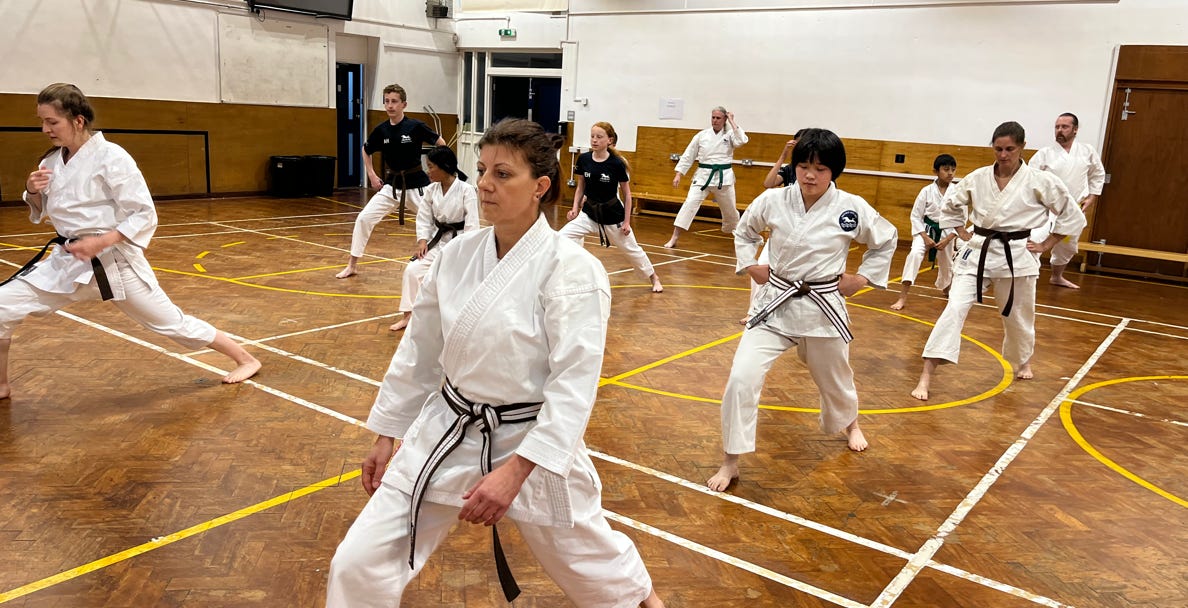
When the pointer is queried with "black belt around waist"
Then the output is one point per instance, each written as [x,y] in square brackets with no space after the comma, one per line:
[488,418]
[100,274]
[1005,238]
[442,228]
[815,290]
[933,230]
[390,177]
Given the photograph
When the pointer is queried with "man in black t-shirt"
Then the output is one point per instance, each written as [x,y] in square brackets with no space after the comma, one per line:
[399,139]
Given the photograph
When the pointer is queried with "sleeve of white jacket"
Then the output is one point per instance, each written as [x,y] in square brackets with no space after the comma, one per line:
[917,216]
[748,235]
[1055,196]
[690,154]
[470,203]
[880,238]
[425,226]
[575,321]
[1097,173]
[415,371]
[124,183]
[738,137]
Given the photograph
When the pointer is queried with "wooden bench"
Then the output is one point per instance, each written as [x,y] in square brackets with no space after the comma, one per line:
[639,200]
[1086,247]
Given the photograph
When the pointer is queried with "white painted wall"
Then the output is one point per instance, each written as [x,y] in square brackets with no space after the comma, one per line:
[943,74]
[170,49]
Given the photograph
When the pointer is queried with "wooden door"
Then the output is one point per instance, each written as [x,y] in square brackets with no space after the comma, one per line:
[1145,205]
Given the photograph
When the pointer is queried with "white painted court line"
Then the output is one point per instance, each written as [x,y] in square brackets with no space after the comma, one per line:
[734,561]
[1129,413]
[629,269]
[312,330]
[824,529]
[925,554]
[153,347]
[304,242]
[649,529]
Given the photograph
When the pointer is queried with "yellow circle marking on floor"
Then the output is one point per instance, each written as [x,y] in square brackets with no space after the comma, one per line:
[1066,419]
[1003,383]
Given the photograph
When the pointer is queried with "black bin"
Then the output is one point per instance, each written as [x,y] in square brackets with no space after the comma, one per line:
[319,175]
[285,176]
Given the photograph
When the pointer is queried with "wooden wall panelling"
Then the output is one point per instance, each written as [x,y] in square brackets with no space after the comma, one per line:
[242,138]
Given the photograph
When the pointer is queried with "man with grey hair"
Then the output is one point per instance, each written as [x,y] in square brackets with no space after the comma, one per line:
[713,149]
[1079,167]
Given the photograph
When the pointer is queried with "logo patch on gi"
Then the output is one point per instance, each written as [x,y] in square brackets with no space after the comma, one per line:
[404,139]
[848,221]
[604,178]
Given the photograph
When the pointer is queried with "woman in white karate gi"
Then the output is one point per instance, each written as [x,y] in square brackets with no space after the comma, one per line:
[802,302]
[450,207]
[1005,202]
[491,391]
[602,173]
[100,206]
[713,149]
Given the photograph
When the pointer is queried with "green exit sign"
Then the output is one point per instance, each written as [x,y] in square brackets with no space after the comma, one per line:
[508,32]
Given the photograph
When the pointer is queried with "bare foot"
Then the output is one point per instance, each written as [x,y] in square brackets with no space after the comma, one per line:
[245,370]
[1063,282]
[401,324]
[855,438]
[743,321]
[653,601]
[1025,372]
[670,244]
[349,271]
[921,390]
[725,476]
[945,291]
[899,304]
[656,286]
[5,391]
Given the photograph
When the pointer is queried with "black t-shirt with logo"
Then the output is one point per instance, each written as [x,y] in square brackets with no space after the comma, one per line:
[602,178]
[400,144]
[787,174]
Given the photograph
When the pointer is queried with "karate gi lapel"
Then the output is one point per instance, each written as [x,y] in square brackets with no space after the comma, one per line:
[460,339]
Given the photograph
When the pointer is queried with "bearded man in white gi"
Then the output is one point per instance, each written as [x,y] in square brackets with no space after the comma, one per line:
[1005,202]
[803,290]
[1079,166]
[713,149]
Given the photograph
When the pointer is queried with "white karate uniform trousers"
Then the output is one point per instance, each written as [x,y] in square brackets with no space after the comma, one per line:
[146,305]
[593,564]
[414,274]
[1062,253]
[582,225]
[1018,342]
[381,204]
[828,361]
[723,196]
[916,256]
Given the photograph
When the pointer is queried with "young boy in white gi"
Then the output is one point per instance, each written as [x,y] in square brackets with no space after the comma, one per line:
[926,233]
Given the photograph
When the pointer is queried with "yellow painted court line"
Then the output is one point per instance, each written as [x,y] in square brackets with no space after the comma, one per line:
[1067,421]
[202,255]
[233,244]
[199,267]
[172,538]
[300,270]
[280,289]
[1003,383]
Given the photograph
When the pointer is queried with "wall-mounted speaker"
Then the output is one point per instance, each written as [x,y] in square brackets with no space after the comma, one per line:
[437,10]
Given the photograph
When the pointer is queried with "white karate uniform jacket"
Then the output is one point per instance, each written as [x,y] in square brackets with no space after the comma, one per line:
[459,204]
[928,204]
[712,149]
[528,328]
[1023,204]
[1079,168]
[812,246]
[100,189]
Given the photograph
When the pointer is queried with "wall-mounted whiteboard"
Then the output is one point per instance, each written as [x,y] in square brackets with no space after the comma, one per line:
[275,62]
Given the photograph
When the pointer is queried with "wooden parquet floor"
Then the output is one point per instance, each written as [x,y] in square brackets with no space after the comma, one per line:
[131,477]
